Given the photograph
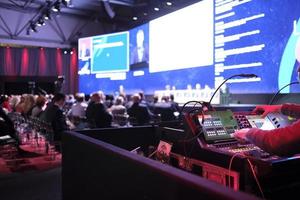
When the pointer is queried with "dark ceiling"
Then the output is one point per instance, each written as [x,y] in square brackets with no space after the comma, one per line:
[117,12]
[26,22]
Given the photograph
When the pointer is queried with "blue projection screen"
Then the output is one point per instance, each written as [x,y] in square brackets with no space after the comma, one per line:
[110,53]
[198,47]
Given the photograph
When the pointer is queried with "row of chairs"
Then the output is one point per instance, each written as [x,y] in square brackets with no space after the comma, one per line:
[34,132]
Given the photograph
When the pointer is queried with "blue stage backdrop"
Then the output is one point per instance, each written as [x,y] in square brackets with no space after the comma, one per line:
[202,45]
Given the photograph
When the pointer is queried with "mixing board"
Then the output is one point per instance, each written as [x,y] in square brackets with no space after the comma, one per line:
[218,128]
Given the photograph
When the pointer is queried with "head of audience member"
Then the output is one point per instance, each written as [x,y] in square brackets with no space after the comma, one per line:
[102,96]
[59,99]
[155,99]
[109,100]
[79,97]
[98,97]
[165,99]
[70,98]
[109,97]
[136,98]
[119,100]
[123,95]
[142,96]
[14,101]
[172,97]
[95,97]
[40,101]
[87,97]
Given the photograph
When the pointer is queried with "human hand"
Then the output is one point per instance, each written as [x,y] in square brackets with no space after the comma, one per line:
[240,135]
[266,109]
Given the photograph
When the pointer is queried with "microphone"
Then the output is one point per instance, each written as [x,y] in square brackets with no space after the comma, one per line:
[236,75]
[292,83]
[247,75]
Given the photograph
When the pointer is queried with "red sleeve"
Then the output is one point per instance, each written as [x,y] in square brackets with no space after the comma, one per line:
[292,110]
[282,141]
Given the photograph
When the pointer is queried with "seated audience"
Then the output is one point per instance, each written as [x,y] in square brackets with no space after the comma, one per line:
[25,105]
[96,112]
[138,112]
[78,109]
[54,115]
[118,111]
[38,108]
[174,104]
[118,107]
[165,109]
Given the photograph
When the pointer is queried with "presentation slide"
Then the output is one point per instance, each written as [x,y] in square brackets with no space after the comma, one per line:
[110,53]
[191,51]
[182,39]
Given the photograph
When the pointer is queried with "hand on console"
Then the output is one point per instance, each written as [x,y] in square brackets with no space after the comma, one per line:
[241,135]
[266,109]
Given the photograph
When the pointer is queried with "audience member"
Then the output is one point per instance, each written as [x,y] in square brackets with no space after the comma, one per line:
[174,104]
[14,101]
[96,112]
[138,111]
[118,112]
[118,108]
[38,108]
[54,115]
[78,109]
[165,109]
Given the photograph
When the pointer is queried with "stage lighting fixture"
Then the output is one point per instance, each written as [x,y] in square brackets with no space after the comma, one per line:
[41,22]
[56,7]
[66,2]
[109,10]
[33,27]
[47,15]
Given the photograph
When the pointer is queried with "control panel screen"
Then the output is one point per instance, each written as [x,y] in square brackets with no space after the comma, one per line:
[218,126]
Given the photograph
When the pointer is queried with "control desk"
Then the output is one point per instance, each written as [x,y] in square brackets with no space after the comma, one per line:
[217,155]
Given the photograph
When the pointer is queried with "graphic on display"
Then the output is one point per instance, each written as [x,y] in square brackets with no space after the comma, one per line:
[223,38]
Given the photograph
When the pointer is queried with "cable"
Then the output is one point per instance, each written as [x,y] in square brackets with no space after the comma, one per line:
[256,179]
[186,140]
[252,170]
[184,105]
[236,75]
[229,168]
[154,152]
[196,136]
[273,98]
